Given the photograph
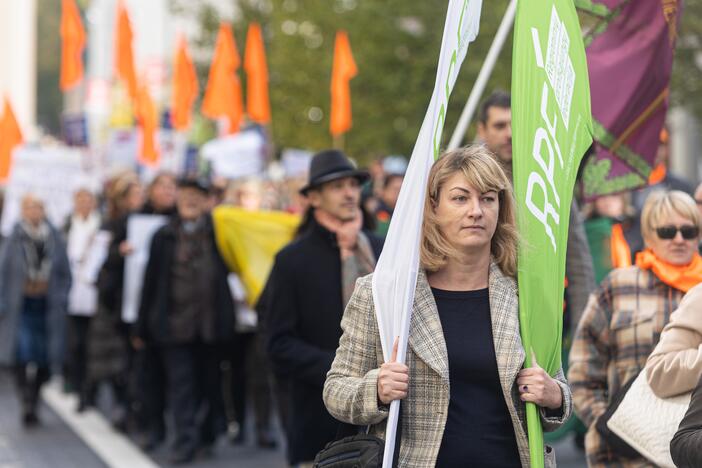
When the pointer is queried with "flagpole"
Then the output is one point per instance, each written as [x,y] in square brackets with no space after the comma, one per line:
[338,141]
[483,76]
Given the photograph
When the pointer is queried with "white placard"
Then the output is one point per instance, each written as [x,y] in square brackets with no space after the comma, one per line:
[52,174]
[296,162]
[140,229]
[83,296]
[123,148]
[236,156]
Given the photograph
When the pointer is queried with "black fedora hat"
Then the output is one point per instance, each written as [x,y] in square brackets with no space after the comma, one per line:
[331,165]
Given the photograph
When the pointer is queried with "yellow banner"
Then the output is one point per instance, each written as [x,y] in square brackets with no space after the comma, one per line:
[249,241]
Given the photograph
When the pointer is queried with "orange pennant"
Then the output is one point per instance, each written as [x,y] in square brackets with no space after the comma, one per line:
[619,248]
[223,93]
[72,45]
[343,69]
[147,117]
[10,136]
[257,103]
[124,57]
[185,87]
[657,174]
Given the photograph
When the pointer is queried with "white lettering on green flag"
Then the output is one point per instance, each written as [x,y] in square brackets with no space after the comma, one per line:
[552,128]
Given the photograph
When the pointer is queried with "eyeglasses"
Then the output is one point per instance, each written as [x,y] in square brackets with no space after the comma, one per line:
[669,232]
[699,202]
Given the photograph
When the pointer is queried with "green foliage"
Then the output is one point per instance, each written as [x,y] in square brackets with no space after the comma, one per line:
[686,84]
[395,44]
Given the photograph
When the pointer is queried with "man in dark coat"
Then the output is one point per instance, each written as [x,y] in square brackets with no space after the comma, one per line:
[311,282]
[187,310]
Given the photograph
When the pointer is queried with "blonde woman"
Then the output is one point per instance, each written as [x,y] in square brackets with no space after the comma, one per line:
[626,315]
[463,388]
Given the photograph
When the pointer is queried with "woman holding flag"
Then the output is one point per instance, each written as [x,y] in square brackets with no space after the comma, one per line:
[625,317]
[463,388]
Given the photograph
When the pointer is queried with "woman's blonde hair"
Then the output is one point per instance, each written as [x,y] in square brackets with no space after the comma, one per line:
[482,171]
[661,204]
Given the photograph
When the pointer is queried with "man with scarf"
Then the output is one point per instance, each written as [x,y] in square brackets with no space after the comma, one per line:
[311,282]
[35,278]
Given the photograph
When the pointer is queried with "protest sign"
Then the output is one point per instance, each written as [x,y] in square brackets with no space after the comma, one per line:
[296,162]
[123,147]
[52,174]
[239,155]
[82,299]
[140,230]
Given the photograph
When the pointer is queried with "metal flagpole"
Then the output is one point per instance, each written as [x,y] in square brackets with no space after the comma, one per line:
[483,76]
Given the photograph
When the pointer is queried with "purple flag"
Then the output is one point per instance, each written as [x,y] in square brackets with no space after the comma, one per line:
[630,61]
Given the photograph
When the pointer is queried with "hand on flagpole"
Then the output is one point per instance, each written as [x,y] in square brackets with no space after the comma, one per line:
[536,386]
[393,379]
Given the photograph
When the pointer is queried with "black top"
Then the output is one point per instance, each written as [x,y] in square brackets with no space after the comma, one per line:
[685,446]
[479,429]
[156,322]
[303,327]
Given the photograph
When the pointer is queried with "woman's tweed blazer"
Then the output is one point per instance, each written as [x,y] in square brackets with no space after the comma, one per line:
[351,393]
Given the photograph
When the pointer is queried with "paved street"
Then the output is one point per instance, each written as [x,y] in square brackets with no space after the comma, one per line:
[55,444]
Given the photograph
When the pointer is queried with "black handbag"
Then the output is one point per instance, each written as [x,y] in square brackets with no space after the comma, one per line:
[360,450]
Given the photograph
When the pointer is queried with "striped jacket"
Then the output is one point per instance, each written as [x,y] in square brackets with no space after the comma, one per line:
[351,394]
[619,329]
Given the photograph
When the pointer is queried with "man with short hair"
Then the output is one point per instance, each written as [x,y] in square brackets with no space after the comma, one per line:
[495,130]
[187,311]
[386,204]
[495,127]
[311,282]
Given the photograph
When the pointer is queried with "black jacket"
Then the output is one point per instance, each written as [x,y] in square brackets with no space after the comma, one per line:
[304,311]
[686,446]
[153,324]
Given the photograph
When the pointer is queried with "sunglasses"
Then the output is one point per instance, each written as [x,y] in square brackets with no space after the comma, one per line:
[669,232]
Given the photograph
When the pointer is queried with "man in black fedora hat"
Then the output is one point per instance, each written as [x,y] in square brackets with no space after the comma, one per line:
[311,282]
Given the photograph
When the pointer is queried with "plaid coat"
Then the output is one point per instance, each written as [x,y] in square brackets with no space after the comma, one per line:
[619,329]
[351,392]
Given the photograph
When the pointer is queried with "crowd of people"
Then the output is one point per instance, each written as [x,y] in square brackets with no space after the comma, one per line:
[199,355]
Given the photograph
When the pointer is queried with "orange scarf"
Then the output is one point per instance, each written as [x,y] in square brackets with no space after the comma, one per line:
[681,277]
[619,248]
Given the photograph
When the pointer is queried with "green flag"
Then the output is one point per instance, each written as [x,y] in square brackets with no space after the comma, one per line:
[552,128]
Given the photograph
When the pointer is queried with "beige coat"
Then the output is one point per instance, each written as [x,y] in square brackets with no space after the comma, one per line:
[675,366]
[350,391]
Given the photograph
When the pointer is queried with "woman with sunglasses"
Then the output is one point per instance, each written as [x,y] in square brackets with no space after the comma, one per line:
[627,313]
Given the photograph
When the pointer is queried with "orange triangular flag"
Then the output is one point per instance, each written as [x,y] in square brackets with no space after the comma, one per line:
[257,103]
[223,93]
[72,45]
[343,69]
[147,117]
[185,87]
[657,174]
[124,57]
[10,136]
[619,248]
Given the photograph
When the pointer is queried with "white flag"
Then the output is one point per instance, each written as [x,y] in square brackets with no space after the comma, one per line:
[395,276]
